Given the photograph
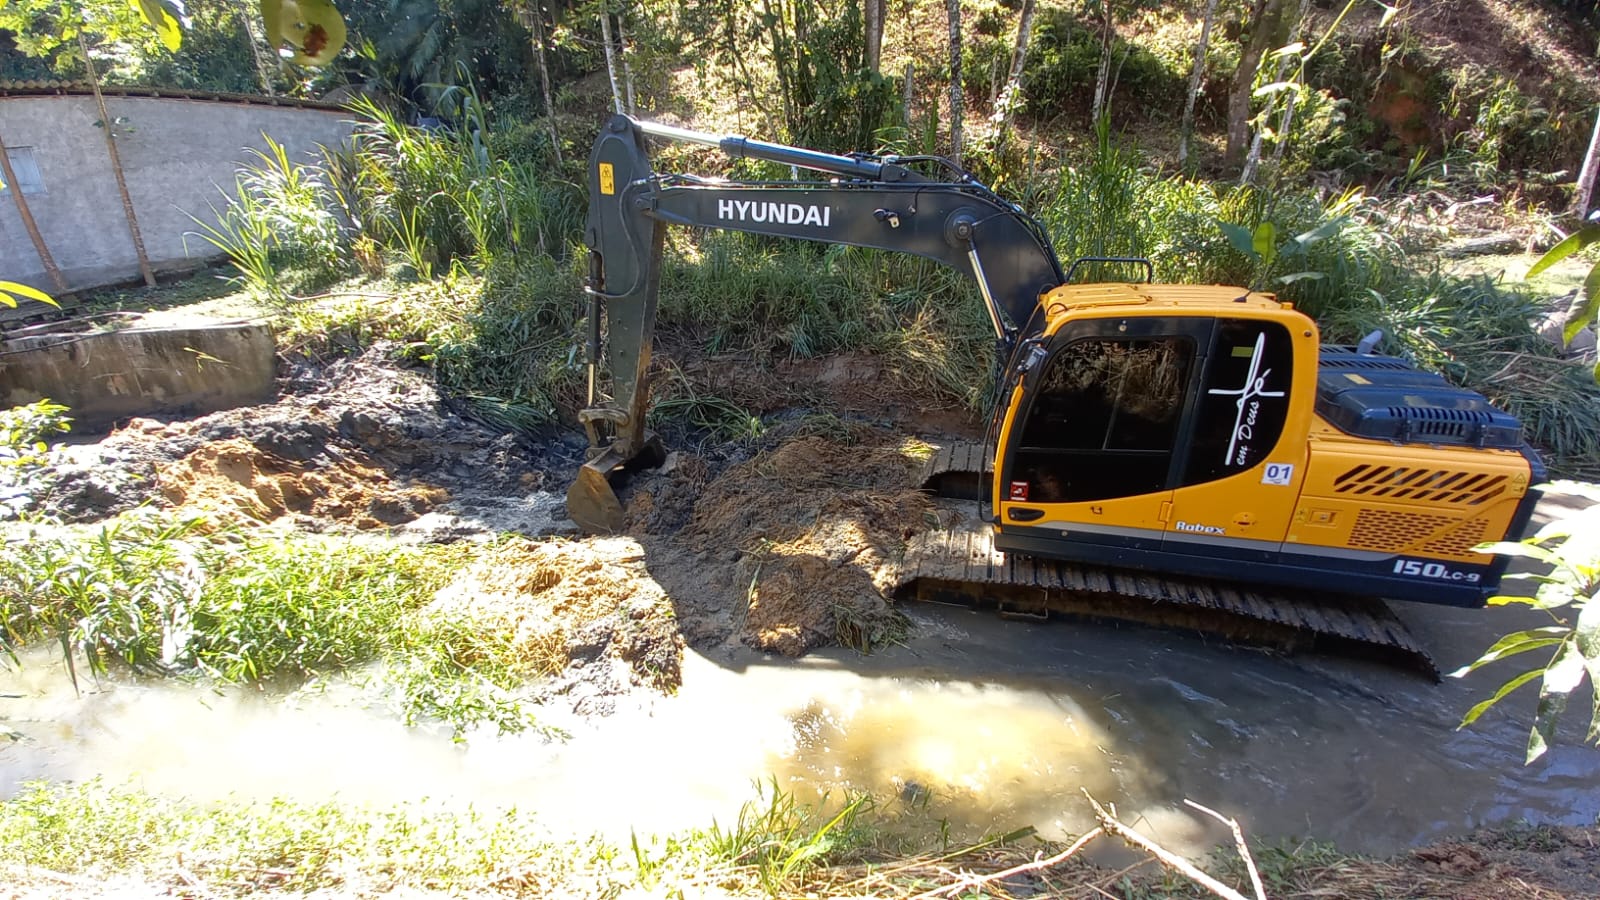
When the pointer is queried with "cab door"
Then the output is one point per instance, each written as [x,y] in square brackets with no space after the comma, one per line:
[1240,468]
[1091,451]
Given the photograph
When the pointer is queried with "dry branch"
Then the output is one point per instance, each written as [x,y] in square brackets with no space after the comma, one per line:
[970,881]
[1167,858]
[1238,842]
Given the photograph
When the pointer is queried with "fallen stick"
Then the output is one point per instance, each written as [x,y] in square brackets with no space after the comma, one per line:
[1238,842]
[973,881]
[1171,860]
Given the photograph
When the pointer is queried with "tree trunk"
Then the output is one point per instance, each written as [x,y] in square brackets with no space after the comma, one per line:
[1252,159]
[1011,94]
[908,93]
[28,224]
[957,96]
[535,23]
[247,16]
[611,58]
[1265,17]
[627,67]
[1287,98]
[1196,76]
[873,57]
[1102,78]
[116,167]
[1586,178]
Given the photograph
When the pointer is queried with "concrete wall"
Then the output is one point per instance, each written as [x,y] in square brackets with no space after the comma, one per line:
[107,377]
[176,153]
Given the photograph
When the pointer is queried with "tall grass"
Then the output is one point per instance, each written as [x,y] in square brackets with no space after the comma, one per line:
[278,229]
[503,236]
[158,592]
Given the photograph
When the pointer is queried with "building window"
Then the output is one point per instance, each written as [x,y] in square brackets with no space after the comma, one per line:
[26,169]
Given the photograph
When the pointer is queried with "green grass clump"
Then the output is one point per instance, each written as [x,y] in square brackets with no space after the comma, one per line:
[99,831]
[157,592]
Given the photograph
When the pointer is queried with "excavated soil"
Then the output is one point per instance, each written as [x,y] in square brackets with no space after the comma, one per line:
[586,612]
[358,443]
[235,478]
[820,527]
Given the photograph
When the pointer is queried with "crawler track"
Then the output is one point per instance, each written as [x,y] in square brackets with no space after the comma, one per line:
[959,564]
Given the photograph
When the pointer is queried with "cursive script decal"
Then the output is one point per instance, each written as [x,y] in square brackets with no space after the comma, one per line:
[1248,405]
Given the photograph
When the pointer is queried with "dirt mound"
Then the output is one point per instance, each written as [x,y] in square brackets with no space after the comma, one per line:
[357,411]
[234,477]
[821,526]
[587,612]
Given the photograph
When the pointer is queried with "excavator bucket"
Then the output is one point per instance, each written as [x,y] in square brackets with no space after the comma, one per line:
[592,503]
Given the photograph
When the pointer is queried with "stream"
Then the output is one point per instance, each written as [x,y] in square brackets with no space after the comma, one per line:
[983,723]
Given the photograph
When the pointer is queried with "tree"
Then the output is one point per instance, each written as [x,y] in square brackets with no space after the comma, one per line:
[532,16]
[611,58]
[876,10]
[1196,76]
[1281,90]
[1586,176]
[957,94]
[51,27]
[1007,101]
[1269,28]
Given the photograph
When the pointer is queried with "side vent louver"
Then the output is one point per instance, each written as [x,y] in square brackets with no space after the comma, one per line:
[1394,532]
[1419,484]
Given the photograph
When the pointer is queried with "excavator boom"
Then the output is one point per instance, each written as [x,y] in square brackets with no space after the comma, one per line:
[862,201]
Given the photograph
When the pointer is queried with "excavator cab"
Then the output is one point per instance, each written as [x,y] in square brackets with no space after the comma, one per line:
[1190,429]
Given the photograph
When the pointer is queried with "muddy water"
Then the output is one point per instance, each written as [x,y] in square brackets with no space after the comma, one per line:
[988,724]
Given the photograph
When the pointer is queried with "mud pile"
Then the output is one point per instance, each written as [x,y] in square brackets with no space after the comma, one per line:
[235,478]
[356,442]
[821,526]
[586,611]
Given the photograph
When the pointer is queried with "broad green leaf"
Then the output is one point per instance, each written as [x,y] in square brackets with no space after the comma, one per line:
[1569,488]
[1588,307]
[1301,276]
[1264,241]
[1561,678]
[1322,232]
[1583,237]
[1276,87]
[1239,237]
[1505,689]
[1517,548]
[1587,634]
[1555,594]
[1513,644]
[22,290]
[166,27]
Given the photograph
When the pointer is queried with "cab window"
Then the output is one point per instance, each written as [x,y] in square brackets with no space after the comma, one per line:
[1103,420]
[1243,401]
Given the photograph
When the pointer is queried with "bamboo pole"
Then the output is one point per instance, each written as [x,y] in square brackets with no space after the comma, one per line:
[116,167]
[29,224]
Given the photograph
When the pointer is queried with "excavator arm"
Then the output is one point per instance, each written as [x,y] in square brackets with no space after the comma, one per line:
[863,201]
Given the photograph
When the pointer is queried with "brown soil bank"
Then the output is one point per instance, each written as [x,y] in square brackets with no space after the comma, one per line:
[821,526]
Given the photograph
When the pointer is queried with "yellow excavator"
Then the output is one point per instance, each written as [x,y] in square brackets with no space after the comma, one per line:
[1184,454]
